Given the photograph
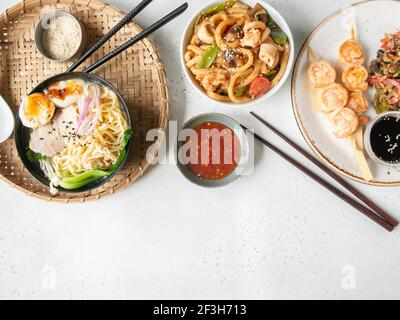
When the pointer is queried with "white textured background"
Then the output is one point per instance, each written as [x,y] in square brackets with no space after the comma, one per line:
[275,234]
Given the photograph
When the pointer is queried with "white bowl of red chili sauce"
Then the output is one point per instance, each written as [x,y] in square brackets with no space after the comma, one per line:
[277,18]
[212,150]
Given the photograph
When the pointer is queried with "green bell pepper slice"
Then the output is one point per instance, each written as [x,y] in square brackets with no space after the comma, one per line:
[208,58]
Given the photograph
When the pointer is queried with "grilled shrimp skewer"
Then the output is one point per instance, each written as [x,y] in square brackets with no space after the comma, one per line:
[344,122]
[351,52]
[357,102]
[333,98]
[321,72]
[355,78]
[349,121]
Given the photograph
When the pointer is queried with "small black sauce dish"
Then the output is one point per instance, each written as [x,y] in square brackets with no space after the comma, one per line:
[382,138]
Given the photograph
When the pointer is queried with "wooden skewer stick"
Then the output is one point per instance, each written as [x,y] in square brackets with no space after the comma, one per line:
[356,140]
[312,55]
[358,150]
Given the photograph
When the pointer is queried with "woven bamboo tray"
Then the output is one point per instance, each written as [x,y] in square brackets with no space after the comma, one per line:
[137,73]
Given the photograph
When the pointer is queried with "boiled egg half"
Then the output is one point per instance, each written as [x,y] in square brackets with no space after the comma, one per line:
[36,110]
[65,93]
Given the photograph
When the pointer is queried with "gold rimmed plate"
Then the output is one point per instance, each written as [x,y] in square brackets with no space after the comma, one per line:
[372,20]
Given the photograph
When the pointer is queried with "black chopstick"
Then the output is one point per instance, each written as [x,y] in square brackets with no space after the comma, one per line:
[139,37]
[329,172]
[364,210]
[110,33]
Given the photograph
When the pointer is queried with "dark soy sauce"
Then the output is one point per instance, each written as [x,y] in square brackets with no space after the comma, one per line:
[385,139]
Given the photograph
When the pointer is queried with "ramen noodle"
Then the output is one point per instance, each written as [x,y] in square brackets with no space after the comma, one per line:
[101,147]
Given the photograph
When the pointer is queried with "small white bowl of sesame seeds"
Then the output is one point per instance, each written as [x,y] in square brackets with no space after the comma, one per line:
[60,36]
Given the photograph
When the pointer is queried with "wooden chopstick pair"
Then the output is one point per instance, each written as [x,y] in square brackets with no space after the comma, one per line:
[378,215]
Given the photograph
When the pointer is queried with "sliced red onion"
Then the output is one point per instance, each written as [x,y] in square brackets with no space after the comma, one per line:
[81,103]
[85,126]
[92,101]
[83,113]
[97,108]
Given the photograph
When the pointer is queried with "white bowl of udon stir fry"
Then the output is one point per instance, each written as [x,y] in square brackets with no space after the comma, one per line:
[237,52]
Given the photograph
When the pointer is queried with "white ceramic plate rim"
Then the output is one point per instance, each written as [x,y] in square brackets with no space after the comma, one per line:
[329,162]
[282,23]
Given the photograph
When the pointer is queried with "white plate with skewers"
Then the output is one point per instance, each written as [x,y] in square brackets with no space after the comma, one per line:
[328,103]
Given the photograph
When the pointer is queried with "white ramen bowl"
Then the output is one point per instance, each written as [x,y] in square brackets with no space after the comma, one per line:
[188,33]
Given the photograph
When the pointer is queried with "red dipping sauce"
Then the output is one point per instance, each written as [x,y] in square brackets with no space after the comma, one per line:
[215,154]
